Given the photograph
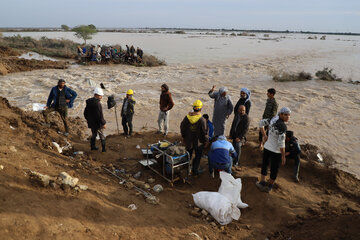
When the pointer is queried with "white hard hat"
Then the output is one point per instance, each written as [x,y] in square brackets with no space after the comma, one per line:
[98,91]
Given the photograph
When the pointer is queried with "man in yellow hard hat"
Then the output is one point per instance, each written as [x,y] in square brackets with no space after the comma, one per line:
[194,130]
[127,112]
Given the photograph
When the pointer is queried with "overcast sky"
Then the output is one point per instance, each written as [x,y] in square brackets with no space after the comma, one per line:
[304,15]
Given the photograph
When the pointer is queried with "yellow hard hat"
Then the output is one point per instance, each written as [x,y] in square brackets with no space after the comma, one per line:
[197,104]
[130,92]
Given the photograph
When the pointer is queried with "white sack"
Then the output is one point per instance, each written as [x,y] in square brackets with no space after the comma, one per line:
[231,188]
[37,107]
[218,206]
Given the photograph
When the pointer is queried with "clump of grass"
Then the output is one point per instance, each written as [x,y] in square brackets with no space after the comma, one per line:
[179,32]
[327,75]
[151,61]
[45,46]
[279,76]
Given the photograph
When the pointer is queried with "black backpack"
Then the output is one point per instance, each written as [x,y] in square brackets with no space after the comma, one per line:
[111,101]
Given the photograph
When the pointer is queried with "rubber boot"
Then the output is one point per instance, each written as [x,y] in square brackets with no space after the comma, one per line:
[103,146]
[92,144]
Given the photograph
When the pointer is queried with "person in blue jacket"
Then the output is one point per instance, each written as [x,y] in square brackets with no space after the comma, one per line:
[220,155]
[210,126]
[60,99]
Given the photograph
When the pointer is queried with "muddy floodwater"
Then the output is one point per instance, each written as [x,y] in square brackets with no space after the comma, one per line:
[324,113]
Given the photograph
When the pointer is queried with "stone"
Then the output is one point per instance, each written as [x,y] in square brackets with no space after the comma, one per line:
[42,179]
[129,185]
[213,224]
[204,212]
[1,167]
[152,200]
[222,228]
[151,180]
[83,187]
[53,185]
[65,187]
[68,180]
[12,148]
[195,213]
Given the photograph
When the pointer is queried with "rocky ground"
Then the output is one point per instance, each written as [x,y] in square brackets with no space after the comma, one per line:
[325,205]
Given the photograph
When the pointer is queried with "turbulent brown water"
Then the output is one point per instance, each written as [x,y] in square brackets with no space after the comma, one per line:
[325,114]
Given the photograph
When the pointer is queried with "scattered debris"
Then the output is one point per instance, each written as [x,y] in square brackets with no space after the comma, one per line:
[151,180]
[137,175]
[41,179]
[152,200]
[195,213]
[194,236]
[1,167]
[132,207]
[138,146]
[204,212]
[57,146]
[83,187]
[158,188]
[79,153]
[280,76]
[12,128]
[323,37]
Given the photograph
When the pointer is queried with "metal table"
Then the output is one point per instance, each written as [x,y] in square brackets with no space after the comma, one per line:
[173,162]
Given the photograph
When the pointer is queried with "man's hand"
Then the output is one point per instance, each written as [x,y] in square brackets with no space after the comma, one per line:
[213,87]
[283,160]
[104,126]
[46,107]
[265,138]
[67,100]
[287,153]
[237,140]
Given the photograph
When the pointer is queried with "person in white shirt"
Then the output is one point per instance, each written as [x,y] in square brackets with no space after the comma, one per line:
[274,147]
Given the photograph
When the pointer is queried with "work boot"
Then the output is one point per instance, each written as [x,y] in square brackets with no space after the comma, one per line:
[103,146]
[92,144]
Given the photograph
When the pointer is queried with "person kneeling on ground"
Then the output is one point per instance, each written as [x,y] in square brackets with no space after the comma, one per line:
[219,155]
[274,147]
[239,129]
[194,130]
[292,150]
[93,114]
[127,112]
[60,99]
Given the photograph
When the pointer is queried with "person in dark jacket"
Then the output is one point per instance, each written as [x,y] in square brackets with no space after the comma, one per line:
[293,150]
[166,104]
[60,99]
[210,126]
[244,100]
[93,114]
[239,129]
[194,131]
[127,112]
[269,112]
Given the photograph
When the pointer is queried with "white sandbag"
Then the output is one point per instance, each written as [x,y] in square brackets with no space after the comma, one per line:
[231,188]
[218,206]
[37,107]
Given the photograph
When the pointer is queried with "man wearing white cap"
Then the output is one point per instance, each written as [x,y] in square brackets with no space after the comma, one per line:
[94,116]
[223,107]
[274,147]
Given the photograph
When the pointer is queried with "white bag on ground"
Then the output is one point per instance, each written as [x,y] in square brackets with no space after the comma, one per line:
[218,206]
[37,107]
[231,188]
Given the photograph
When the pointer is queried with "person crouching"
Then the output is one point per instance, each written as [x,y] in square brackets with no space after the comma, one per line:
[93,114]
[219,155]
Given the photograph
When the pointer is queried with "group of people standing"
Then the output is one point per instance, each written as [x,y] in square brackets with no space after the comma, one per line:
[109,53]
[197,130]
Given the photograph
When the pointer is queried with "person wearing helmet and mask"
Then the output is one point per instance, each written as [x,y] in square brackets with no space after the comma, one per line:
[93,114]
[127,112]
[274,147]
[194,130]
[60,99]
[223,107]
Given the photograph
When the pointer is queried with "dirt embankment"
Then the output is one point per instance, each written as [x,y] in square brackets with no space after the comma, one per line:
[10,63]
[325,205]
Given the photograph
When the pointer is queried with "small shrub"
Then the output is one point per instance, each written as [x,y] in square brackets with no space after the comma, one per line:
[290,77]
[327,75]
[152,61]
[179,32]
